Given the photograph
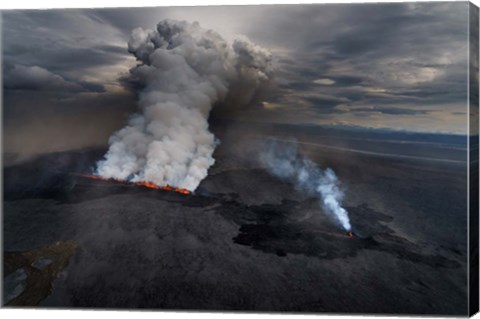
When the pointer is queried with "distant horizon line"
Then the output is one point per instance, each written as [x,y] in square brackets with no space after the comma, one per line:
[357,128]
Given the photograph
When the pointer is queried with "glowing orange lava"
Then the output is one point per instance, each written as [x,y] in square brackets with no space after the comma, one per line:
[350,234]
[143,184]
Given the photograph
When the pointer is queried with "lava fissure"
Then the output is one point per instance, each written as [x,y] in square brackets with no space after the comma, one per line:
[143,184]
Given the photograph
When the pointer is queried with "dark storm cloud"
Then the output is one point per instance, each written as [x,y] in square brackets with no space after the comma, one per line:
[325,103]
[60,87]
[347,80]
[75,58]
[20,77]
[392,46]
[336,63]
[35,78]
[473,71]
[401,56]
[64,42]
[92,87]
[63,59]
[390,110]
[125,20]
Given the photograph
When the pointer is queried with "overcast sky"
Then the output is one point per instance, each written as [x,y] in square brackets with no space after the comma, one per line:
[400,66]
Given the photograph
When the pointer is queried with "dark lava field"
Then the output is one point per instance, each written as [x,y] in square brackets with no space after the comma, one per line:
[244,241]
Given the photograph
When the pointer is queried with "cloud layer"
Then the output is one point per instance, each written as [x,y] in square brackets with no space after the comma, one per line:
[396,65]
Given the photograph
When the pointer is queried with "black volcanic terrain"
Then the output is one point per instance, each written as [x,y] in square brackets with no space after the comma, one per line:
[244,240]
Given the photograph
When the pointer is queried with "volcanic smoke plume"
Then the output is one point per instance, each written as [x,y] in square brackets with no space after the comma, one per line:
[184,71]
[283,160]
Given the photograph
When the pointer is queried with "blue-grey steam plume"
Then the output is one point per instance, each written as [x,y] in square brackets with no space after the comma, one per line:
[284,161]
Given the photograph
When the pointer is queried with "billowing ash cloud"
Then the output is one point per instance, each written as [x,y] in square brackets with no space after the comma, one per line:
[283,160]
[184,70]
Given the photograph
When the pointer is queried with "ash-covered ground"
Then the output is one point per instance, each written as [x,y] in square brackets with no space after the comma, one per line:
[246,240]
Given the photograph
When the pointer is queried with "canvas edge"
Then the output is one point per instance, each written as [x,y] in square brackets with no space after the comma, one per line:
[473,164]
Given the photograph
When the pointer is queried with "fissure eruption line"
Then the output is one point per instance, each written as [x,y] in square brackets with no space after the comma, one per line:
[142,184]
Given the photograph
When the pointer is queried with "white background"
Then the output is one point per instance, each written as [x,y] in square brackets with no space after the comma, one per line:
[77,314]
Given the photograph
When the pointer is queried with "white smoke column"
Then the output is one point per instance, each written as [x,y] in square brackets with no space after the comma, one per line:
[184,71]
[283,160]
